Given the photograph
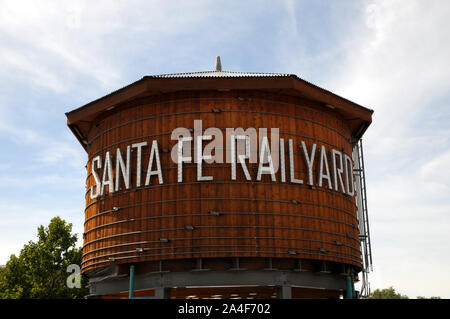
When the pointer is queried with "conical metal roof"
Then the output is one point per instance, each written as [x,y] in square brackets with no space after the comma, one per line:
[218,74]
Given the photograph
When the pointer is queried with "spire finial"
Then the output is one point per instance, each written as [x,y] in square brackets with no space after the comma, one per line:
[218,64]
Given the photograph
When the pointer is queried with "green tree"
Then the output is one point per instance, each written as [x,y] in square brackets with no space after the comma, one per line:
[387,293]
[40,271]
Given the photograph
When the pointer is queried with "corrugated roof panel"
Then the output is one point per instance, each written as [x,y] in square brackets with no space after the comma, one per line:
[219,74]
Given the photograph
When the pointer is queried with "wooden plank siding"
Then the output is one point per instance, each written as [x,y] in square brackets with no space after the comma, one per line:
[257,218]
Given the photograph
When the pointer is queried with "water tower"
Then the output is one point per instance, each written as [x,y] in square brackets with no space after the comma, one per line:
[224,229]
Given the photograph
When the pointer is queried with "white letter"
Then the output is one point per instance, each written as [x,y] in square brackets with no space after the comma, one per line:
[201,157]
[337,172]
[98,160]
[261,169]
[251,145]
[349,177]
[139,147]
[107,175]
[309,161]
[182,159]
[175,136]
[282,165]
[241,158]
[324,162]
[291,164]
[154,153]
[121,167]
[274,145]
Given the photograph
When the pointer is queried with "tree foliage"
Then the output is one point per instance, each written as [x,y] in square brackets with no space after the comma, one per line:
[390,293]
[387,293]
[40,271]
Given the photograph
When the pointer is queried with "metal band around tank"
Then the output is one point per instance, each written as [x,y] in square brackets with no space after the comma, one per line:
[218,245]
[208,214]
[217,237]
[212,226]
[220,252]
[228,198]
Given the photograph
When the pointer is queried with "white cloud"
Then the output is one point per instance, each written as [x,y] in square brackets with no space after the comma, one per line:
[61,151]
[36,181]
[399,67]
[43,40]
[52,44]
[401,64]
[23,221]
[19,64]
[438,169]
[290,8]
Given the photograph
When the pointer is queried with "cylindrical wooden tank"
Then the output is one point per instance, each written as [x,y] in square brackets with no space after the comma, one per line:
[224,223]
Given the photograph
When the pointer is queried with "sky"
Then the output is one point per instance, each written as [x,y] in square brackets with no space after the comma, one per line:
[390,56]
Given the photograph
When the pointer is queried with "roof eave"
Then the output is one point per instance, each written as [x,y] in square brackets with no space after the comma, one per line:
[149,84]
[110,100]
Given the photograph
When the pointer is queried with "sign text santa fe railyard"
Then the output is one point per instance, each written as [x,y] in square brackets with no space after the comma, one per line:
[329,168]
